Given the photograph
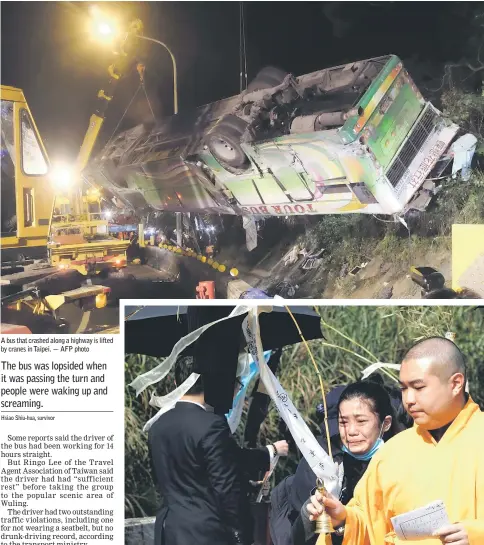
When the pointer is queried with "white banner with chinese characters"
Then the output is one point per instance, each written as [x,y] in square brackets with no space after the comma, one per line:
[319,461]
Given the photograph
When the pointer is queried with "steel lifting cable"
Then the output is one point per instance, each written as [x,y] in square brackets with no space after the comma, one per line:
[124,114]
[242,49]
[148,100]
[141,71]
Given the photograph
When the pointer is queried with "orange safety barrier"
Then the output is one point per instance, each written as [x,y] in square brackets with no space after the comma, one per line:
[206,290]
[208,259]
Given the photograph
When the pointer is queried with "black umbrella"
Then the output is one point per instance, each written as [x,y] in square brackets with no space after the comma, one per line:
[154,330]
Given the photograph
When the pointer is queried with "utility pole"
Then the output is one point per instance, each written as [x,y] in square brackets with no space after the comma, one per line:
[179,227]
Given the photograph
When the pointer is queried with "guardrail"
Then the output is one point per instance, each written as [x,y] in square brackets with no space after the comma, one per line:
[139,531]
[210,261]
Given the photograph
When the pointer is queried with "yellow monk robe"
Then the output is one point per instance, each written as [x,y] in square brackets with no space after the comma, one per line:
[413,470]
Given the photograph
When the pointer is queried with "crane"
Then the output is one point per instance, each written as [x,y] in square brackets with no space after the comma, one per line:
[79,235]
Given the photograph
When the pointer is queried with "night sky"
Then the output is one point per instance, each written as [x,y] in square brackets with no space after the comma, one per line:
[48,52]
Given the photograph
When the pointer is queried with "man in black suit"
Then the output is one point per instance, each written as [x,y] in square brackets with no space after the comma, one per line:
[201,473]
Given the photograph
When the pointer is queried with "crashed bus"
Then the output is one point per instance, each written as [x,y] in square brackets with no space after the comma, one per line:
[353,138]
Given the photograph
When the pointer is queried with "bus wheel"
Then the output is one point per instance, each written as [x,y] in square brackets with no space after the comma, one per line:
[268,77]
[223,141]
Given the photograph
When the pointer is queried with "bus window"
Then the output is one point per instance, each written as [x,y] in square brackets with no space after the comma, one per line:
[393,121]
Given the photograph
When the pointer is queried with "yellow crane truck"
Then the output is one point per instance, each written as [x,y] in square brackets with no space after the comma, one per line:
[39,221]
[38,218]
[28,236]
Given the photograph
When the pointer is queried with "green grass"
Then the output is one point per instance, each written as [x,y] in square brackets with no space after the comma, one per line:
[351,239]
[402,251]
[465,109]
[346,286]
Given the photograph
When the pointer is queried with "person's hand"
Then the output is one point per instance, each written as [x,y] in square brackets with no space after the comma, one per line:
[454,533]
[282,448]
[335,509]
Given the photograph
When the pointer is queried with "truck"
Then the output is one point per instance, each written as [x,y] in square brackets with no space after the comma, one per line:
[37,220]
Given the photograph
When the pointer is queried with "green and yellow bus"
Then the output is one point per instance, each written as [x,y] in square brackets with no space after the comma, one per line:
[353,138]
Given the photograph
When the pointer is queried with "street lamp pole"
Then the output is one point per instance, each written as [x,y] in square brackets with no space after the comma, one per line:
[179,225]
[175,86]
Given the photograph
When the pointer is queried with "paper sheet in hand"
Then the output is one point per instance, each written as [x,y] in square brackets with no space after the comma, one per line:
[421,523]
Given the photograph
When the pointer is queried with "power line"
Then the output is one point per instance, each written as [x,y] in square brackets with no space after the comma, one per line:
[244,35]
[242,48]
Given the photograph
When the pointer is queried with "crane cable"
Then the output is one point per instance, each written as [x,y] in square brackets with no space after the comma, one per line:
[244,31]
[124,115]
[141,71]
[149,103]
[140,68]
[242,48]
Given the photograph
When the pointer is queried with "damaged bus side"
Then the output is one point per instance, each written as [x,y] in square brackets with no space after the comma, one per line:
[353,138]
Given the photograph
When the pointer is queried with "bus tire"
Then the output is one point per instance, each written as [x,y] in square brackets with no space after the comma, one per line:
[223,141]
[268,77]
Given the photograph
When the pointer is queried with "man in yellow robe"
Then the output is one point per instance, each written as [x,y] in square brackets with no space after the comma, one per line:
[440,458]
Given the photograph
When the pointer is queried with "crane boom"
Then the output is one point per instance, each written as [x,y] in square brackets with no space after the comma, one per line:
[116,71]
[79,235]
